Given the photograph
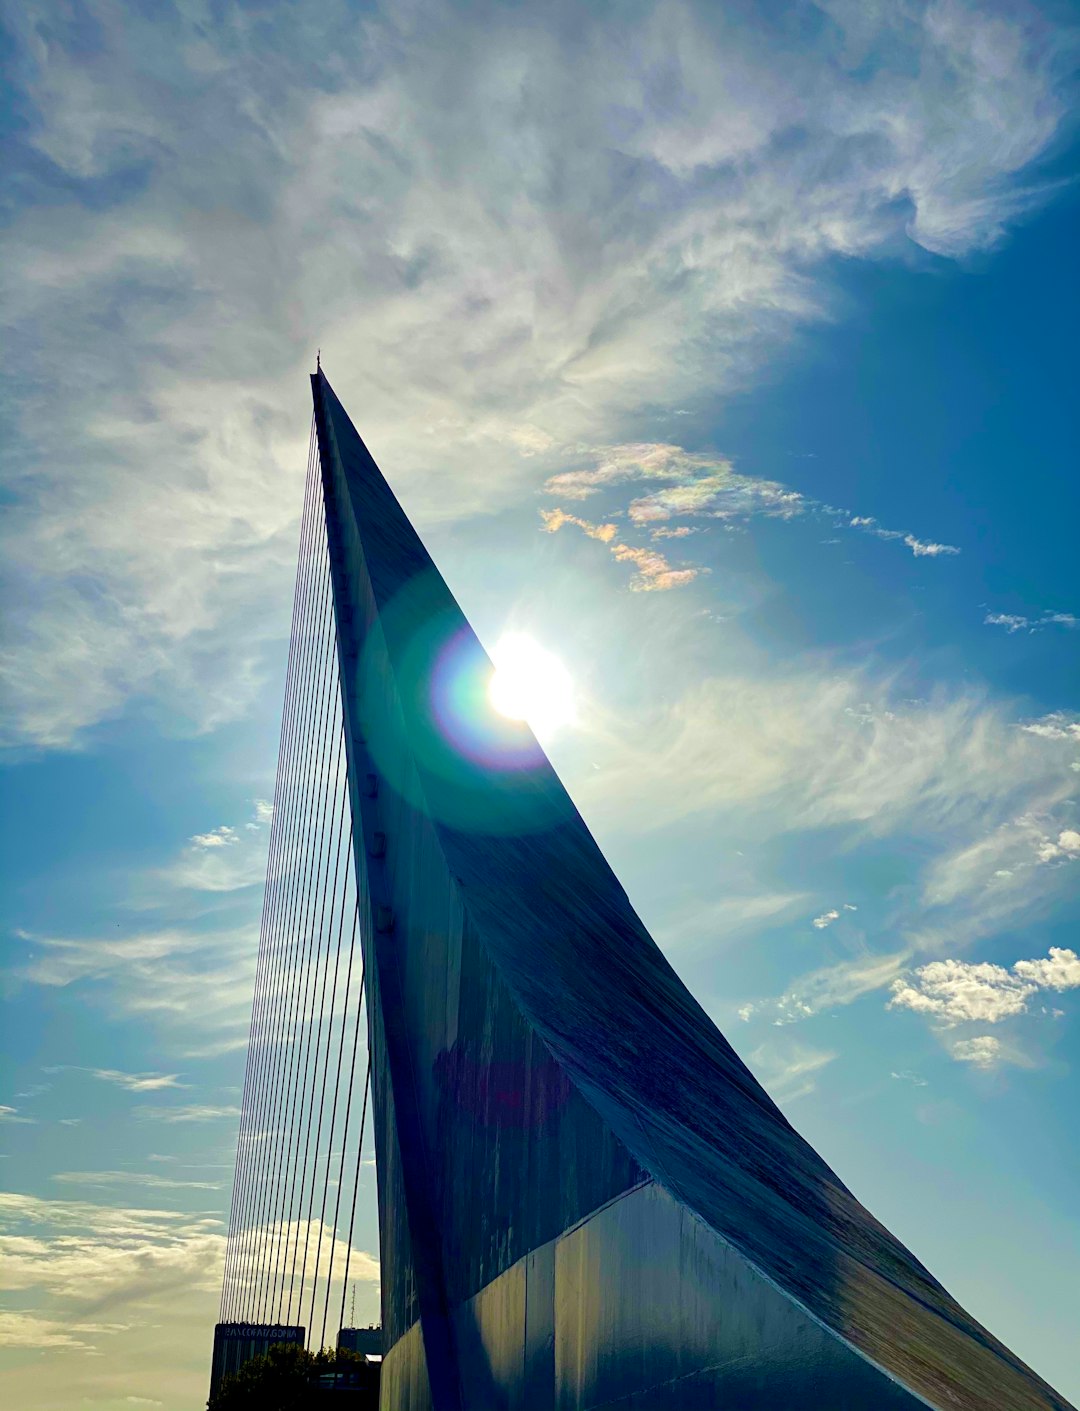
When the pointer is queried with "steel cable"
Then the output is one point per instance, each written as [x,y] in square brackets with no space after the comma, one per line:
[321,844]
[334,893]
[317,764]
[262,957]
[297,793]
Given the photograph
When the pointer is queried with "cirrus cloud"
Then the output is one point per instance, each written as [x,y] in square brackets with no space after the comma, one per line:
[661,248]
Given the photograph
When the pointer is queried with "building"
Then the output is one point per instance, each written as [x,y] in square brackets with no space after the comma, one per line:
[367,1341]
[237,1343]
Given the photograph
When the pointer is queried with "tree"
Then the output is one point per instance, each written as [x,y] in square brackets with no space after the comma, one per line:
[289,1378]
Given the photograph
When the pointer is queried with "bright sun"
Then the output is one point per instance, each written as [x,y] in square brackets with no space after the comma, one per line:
[531,684]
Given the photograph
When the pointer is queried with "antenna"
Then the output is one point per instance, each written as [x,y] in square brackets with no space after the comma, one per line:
[318,359]
[352,1306]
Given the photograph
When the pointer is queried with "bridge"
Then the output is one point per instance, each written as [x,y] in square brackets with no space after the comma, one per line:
[586,1200]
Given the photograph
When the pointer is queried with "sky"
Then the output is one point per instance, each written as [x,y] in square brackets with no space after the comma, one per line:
[727,351]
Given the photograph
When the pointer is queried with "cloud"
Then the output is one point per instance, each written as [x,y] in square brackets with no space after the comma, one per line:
[660,251]
[788,1070]
[222,837]
[816,745]
[33,1331]
[907,1077]
[12,1115]
[131,1082]
[556,518]
[131,1178]
[1056,726]
[1059,970]
[654,572]
[829,987]
[1013,622]
[189,983]
[964,794]
[1065,846]
[825,919]
[224,860]
[981,1052]
[921,548]
[140,1285]
[699,485]
[958,992]
[97,1255]
[977,887]
[252,1246]
[227,836]
[194,1112]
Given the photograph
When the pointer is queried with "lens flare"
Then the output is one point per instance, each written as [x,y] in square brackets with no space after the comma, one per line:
[531,684]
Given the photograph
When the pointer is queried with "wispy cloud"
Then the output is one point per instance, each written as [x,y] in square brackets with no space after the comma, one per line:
[789,1069]
[556,518]
[693,485]
[820,746]
[983,1051]
[227,858]
[12,1115]
[194,1112]
[1015,622]
[127,1294]
[222,837]
[826,918]
[1056,726]
[906,1076]
[921,548]
[699,484]
[829,987]
[661,252]
[131,1082]
[149,1180]
[654,572]
[836,985]
[194,985]
[87,1253]
[31,1330]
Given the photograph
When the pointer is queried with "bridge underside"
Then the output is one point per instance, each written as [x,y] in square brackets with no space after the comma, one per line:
[585,1198]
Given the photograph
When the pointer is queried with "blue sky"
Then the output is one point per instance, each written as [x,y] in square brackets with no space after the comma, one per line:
[799,281]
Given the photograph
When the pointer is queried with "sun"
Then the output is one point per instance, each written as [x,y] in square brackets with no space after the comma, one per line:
[531,684]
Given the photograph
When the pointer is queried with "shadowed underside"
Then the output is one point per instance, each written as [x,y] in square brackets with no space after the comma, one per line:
[585,1197]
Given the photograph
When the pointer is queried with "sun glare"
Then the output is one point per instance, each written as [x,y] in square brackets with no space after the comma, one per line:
[531,684]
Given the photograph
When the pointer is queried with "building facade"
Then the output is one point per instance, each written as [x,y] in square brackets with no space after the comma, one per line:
[238,1343]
